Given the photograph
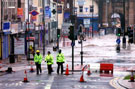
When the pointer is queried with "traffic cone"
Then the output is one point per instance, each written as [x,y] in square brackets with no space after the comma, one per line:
[31,69]
[88,72]
[25,78]
[81,78]
[67,70]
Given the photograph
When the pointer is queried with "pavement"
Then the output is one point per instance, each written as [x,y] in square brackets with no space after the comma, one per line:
[45,81]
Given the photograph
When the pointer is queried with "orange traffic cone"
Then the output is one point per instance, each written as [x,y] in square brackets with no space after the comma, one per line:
[31,69]
[88,72]
[81,78]
[67,70]
[25,78]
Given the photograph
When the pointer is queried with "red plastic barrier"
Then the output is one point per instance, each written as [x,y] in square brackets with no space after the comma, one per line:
[106,67]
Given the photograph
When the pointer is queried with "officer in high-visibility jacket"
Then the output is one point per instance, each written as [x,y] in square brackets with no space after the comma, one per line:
[38,59]
[49,60]
[60,61]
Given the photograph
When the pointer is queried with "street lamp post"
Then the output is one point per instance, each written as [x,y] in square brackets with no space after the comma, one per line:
[124,38]
[43,21]
[1,23]
[92,18]
[27,34]
[107,2]
[57,27]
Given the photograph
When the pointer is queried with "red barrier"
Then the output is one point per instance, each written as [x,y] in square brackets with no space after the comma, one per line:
[106,68]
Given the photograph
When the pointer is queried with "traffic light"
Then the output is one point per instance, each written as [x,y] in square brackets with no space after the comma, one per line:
[72,18]
[130,35]
[71,33]
[80,29]
[58,33]
[118,33]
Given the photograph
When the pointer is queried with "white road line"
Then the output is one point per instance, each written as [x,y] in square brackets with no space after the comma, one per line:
[49,84]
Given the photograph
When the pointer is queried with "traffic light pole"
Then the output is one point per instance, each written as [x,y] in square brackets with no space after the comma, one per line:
[43,6]
[124,38]
[57,28]
[92,20]
[72,57]
[81,52]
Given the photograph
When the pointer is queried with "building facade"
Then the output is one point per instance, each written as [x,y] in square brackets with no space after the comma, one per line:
[116,9]
[11,25]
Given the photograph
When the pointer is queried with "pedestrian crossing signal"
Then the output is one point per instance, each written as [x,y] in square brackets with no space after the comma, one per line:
[118,33]
[58,33]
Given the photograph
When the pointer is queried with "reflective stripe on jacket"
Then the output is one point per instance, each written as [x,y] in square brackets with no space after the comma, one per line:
[38,59]
[60,58]
[49,59]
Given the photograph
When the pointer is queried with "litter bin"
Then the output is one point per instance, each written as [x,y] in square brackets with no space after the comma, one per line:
[11,58]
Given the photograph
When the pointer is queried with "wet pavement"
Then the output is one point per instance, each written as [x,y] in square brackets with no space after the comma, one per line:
[96,50]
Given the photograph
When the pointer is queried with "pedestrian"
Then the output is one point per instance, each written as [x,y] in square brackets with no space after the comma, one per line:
[49,60]
[38,59]
[60,61]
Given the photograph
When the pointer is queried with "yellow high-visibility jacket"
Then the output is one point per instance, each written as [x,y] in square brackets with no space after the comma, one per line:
[49,59]
[38,59]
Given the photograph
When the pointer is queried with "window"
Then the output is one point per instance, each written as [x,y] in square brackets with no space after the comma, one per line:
[81,8]
[11,3]
[40,3]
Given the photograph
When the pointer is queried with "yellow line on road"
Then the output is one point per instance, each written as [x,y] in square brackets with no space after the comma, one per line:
[113,83]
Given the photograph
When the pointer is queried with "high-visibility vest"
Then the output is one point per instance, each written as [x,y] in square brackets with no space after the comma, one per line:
[60,58]
[49,59]
[38,59]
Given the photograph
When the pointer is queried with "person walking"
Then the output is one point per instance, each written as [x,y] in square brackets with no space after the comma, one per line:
[49,60]
[38,59]
[60,61]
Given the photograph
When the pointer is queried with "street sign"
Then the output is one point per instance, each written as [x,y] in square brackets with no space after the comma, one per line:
[6,25]
[47,12]
[34,13]
[118,41]
[73,44]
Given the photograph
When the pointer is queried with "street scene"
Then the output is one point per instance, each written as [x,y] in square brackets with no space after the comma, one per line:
[67,44]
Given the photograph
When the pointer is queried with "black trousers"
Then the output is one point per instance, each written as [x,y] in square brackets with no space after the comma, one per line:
[49,69]
[38,68]
[60,64]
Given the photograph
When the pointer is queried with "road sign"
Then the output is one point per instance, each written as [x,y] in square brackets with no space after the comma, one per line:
[73,44]
[6,25]
[34,13]
[118,41]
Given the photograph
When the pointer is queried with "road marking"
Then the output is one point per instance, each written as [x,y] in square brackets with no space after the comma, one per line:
[114,84]
[49,84]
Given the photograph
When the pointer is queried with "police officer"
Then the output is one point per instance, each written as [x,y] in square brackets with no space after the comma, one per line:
[60,61]
[49,60]
[38,59]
